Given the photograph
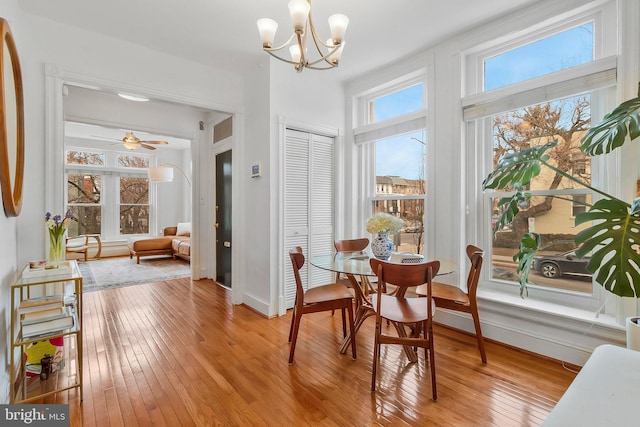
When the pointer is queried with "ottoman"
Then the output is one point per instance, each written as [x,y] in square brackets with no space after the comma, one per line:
[149,246]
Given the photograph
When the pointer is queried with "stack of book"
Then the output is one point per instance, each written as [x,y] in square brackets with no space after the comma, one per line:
[44,315]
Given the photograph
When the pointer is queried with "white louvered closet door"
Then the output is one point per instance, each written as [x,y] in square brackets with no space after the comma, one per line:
[308,206]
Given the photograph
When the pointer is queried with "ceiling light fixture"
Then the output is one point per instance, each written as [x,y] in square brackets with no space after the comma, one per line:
[130,145]
[329,51]
[137,98]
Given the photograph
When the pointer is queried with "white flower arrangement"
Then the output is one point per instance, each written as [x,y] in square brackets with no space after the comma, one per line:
[384,223]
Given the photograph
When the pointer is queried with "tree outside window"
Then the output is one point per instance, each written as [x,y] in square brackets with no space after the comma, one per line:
[84,193]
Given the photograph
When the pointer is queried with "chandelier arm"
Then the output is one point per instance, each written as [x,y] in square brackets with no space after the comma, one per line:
[301,45]
[281,59]
[324,58]
[312,67]
[316,39]
[275,49]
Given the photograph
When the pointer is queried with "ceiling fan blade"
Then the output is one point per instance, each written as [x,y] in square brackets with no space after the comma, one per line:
[155,142]
[105,138]
[148,147]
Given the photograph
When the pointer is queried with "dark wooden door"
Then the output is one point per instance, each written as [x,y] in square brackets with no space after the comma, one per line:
[223,218]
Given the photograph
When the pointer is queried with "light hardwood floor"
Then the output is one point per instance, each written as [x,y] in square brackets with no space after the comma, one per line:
[178,353]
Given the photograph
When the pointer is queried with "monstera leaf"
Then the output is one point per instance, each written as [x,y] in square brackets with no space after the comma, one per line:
[611,241]
[527,250]
[613,130]
[510,206]
[518,168]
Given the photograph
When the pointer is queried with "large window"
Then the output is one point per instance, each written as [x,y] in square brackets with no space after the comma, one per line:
[545,86]
[108,192]
[394,138]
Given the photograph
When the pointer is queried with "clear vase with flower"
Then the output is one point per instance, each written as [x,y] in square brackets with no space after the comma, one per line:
[57,227]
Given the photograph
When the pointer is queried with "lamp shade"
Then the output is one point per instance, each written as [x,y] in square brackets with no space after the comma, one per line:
[161,174]
[338,26]
[334,57]
[299,11]
[267,28]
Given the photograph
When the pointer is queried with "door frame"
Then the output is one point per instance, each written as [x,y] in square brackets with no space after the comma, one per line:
[56,78]
[338,158]
[237,214]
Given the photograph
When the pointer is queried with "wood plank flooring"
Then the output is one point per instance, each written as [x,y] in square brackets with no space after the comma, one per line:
[178,353]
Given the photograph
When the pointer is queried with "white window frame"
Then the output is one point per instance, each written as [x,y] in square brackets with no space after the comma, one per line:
[367,133]
[597,77]
[110,192]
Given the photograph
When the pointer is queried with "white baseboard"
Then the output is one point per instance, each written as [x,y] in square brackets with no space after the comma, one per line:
[257,304]
[552,335]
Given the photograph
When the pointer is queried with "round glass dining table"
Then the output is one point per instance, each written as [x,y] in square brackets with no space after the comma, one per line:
[355,265]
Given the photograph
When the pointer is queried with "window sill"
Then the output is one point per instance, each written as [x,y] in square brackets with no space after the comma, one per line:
[547,308]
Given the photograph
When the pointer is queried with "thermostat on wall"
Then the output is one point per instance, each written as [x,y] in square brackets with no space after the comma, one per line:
[256,170]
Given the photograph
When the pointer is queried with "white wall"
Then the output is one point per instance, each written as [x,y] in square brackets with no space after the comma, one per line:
[256,215]
[10,244]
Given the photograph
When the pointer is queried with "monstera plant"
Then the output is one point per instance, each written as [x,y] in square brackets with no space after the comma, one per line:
[613,237]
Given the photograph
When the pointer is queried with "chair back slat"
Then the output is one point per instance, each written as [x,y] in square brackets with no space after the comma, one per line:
[404,275]
[351,245]
[297,261]
[475,255]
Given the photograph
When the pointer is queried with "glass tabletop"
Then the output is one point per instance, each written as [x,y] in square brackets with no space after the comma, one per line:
[357,263]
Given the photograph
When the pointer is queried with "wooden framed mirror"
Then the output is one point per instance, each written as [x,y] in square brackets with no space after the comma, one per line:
[11,123]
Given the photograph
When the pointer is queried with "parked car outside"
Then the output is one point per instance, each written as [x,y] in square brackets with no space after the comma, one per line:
[557,265]
[413,229]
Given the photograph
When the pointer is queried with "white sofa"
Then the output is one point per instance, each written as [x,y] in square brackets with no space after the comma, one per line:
[605,393]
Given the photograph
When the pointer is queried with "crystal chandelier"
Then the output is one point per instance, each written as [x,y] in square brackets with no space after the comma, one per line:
[329,52]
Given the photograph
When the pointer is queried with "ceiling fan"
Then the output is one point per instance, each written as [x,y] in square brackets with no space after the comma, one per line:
[132,142]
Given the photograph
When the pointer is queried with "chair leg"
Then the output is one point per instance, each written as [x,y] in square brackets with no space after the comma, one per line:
[296,327]
[344,325]
[432,363]
[476,323]
[376,356]
[352,331]
[293,319]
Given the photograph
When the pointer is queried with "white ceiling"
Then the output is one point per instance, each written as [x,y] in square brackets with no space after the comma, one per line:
[111,138]
[224,33]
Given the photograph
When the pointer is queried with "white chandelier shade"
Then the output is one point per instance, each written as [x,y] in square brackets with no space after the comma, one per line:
[328,52]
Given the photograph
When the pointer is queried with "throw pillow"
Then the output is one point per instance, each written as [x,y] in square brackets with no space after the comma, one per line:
[184,229]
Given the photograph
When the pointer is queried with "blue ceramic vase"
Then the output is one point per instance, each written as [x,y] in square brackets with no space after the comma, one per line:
[382,246]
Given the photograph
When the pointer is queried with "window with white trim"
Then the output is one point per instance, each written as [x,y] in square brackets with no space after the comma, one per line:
[393,137]
[108,191]
[543,85]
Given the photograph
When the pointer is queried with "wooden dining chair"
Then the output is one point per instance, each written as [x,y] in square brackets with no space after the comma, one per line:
[346,246]
[454,298]
[413,313]
[328,297]
[349,245]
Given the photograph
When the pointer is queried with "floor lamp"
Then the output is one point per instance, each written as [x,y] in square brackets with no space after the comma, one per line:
[164,173]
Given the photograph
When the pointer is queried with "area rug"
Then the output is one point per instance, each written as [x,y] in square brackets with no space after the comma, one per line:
[119,272]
